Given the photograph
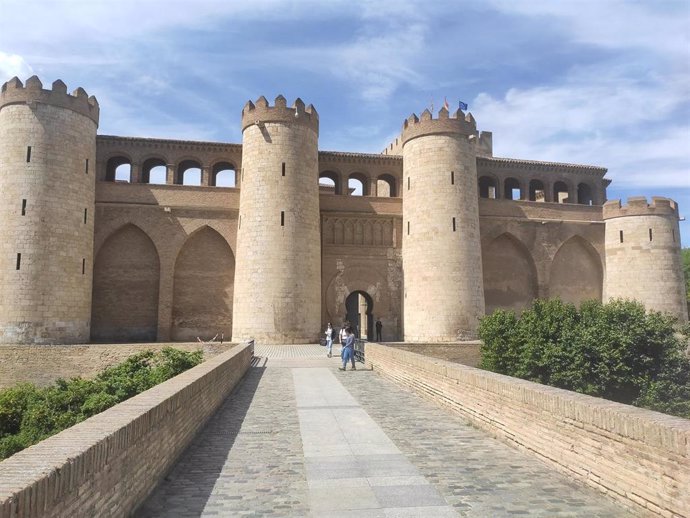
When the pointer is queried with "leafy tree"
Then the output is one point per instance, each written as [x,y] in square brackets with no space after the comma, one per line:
[616,350]
[685,253]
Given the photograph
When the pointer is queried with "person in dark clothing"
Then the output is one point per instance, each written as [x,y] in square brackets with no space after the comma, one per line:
[379,326]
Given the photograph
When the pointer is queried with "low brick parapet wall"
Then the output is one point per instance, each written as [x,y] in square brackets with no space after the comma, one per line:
[44,364]
[107,465]
[639,457]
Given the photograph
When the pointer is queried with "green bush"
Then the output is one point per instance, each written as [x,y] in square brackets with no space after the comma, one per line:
[615,351]
[29,414]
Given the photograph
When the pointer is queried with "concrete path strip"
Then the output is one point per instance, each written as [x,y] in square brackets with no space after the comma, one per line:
[353,468]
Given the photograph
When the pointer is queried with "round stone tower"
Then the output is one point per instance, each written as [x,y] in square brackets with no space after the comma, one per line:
[643,259]
[442,264]
[47,189]
[278,270]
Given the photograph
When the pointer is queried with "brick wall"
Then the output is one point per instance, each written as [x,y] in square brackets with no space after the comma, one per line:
[42,365]
[639,457]
[108,464]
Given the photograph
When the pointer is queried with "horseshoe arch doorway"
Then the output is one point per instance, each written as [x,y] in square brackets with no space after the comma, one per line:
[360,313]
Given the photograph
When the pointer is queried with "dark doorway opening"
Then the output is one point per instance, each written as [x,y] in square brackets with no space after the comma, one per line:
[360,313]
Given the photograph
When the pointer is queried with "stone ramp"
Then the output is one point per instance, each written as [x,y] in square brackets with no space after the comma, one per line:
[300,438]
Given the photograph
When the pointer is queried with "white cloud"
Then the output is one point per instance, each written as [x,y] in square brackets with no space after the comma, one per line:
[377,65]
[13,65]
[595,117]
[661,26]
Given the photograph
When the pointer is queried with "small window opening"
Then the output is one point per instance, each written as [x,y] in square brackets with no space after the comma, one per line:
[452,177]
[28,156]
[239,225]
[85,213]
[673,233]
[86,169]
[19,261]
[453,224]
[408,228]
[282,218]
[83,266]
[23,207]
[621,236]
[408,183]
[283,168]
[650,234]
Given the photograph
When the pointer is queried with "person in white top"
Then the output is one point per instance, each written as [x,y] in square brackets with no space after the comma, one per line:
[329,339]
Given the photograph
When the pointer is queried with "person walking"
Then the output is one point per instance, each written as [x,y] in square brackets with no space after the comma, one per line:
[329,339]
[348,350]
[343,333]
[379,326]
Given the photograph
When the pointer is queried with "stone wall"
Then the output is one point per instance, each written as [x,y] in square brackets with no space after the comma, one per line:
[42,365]
[643,254]
[638,457]
[443,294]
[278,284]
[139,226]
[107,465]
[47,177]
[467,353]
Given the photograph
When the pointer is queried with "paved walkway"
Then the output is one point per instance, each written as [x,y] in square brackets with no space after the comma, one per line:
[300,438]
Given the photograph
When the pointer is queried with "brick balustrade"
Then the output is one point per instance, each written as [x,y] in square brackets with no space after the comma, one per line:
[108,464]
[639,457]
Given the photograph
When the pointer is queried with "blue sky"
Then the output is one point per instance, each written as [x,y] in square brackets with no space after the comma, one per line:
[601,82]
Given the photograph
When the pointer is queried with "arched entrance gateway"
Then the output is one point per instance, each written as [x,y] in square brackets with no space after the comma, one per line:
[360,313]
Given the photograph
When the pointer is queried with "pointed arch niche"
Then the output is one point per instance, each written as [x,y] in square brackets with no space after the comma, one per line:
[576,272]
[126,276]
[510,276]
[203,288]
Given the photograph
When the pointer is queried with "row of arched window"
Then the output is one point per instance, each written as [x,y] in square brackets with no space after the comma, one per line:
[536,190]
[156,171]
[224,174]
[359,184]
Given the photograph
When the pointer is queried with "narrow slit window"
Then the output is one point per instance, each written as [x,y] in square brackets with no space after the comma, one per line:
[239,224]
[650,234]
[283,168]
[408,183]
[621,235]
[86,169]
[19,261]
[83,266]
[282,218]
[85,215]
[408,228]
[452,177]
[453,224]
[28,153]
[673,233]
[23,207]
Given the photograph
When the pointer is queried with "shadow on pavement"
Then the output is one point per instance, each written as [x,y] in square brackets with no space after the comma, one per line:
[187,488]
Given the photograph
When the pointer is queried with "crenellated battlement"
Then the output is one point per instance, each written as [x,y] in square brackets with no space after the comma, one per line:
[262,112]
[15,92]
[638,206]
[458,123]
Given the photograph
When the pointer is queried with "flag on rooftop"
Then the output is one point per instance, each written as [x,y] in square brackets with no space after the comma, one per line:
[445,104]
[463,106]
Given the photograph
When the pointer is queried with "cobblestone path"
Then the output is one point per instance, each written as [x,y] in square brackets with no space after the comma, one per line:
[300,438]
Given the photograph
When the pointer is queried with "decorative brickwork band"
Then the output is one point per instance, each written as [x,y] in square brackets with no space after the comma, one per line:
[261,112]
[458,123]
[638,206]
[14,92]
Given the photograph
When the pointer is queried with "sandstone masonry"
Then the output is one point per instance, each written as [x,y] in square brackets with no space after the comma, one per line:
[108,239]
